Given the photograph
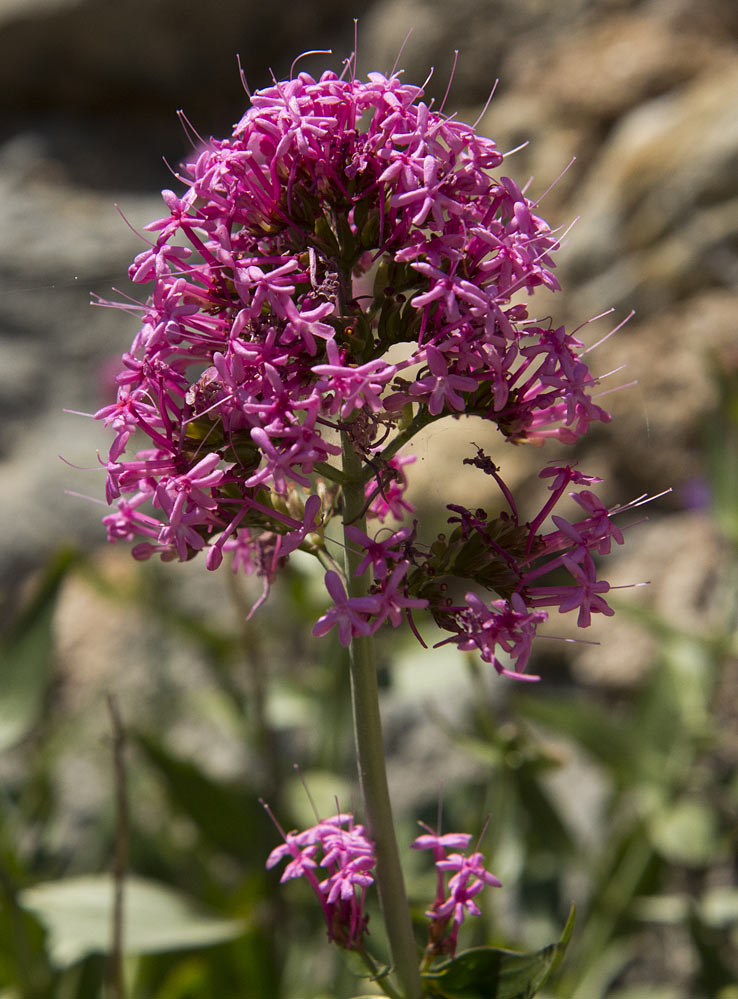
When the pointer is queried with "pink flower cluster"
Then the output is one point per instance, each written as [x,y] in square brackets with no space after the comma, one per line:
[346,857]
[468,878]
[340,849]
[343,218]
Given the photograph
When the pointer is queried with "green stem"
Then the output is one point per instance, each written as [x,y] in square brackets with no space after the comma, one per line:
[370,753]
[329,471]
[380,979]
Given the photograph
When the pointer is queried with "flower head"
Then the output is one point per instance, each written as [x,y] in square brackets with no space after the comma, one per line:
[453,902]
[341,218]
[337,859]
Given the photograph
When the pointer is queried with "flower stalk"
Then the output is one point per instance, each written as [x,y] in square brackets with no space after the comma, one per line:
[370,749]
[344,218]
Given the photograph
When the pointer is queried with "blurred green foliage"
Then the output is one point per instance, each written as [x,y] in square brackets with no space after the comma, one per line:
[626,802]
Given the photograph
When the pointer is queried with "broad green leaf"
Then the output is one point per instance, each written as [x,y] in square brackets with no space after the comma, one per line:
[491,973]
[77,914]
[25,660]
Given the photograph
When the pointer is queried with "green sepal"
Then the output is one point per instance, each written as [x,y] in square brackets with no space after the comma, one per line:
[492,973]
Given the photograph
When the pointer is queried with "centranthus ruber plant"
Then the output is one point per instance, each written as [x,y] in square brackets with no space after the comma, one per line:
[347,268]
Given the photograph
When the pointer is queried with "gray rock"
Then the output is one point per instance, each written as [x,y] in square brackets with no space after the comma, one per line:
[658,213]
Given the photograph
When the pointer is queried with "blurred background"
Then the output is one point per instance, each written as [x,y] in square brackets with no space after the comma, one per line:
[614,781]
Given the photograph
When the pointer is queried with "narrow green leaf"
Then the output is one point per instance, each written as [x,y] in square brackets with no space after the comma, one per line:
[589,725]
[77,914]
[492,973]
[225,814]
[25,659]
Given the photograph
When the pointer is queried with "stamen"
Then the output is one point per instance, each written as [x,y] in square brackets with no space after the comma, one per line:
[450,80]
[84,496]
[189,130]
[134,231]
[555,182]
[244,82]
[486,103]
[272,816]
[607,335]
[399,54]
[517,149]
[309,52]
[296,767]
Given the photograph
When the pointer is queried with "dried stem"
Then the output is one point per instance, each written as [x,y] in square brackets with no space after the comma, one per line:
[115,986]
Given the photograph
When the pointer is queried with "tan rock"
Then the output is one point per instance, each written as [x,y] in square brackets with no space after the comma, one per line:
[668,162]
[685,559]
[602,67]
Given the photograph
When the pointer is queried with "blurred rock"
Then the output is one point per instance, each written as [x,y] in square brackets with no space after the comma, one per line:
[58,245]
[658,434]
[683,561]
[107,57]
[605,65]
[659,208]
[488,38]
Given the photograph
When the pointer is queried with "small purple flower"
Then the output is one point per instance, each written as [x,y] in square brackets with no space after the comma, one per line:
[379,554]
[346,856]
[350,615]
[441,387]
[468,881]
[455,901]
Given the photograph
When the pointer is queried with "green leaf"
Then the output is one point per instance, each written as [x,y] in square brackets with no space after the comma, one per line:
[224,813]
[25,659]
[491,973]
[77,914]
[719,906]
[648,992]
[590,726]
[686,833]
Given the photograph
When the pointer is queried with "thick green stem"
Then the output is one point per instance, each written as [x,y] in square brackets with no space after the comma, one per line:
[370,754]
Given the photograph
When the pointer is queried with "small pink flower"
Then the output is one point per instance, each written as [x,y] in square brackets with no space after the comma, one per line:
[455,901]
[346,857]
[350,615]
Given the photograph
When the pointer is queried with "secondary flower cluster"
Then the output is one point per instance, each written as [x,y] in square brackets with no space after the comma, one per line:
[340,849]
[347,266]
[346,857]
[452,904]
[501,554]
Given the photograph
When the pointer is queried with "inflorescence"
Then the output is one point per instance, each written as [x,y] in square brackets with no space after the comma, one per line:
[337,859]
[349,264]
